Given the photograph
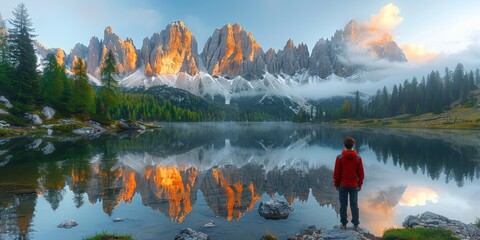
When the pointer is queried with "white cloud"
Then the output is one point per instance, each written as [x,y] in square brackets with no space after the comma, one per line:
[385,20]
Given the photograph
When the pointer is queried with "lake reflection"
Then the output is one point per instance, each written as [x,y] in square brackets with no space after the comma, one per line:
[185,175]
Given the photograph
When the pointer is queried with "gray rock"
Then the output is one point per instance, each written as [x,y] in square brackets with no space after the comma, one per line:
[433,220]
[130,125]
[333,234]
[49,131]
[118,219]
[33,118]
[189,234]
[48,112]
[35,144]
[210,224]
[48,149]
[319,62]
[292,59]
[5,160]
[3,112]
[85,131]
[275,209]
[68,224]
[97,126]
[3,123]
[5,102]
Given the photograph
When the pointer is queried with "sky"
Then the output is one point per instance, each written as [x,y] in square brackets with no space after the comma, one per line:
[428,27]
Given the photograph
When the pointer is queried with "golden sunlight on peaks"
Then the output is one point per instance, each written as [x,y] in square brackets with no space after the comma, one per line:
[418,196]
[78,176]
[129,184]
[255,197]
[385,20]
[234,192]
[215,174]
[172,187]
[417,53]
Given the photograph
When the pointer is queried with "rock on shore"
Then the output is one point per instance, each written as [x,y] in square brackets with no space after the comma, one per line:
[334,234]
[433,220]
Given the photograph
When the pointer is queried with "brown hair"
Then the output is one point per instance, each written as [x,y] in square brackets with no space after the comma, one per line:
[348,142]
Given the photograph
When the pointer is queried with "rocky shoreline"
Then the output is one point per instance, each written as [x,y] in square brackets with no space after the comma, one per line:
[47,121]
[459,230]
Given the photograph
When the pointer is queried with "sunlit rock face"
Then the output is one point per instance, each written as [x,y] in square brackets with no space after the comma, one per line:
[79,51]
[43,51]
[125,53]
[289,60]
[94,55]
[231,51]
[171,51]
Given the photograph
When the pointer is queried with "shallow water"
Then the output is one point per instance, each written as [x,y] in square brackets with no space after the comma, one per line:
[185,175]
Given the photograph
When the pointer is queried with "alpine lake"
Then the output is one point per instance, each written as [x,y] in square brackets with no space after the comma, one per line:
[185,175]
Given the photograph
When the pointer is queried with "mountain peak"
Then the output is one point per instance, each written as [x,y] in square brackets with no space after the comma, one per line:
[171,51]
[231,51]
[289,44]
[108,30]
[177,23]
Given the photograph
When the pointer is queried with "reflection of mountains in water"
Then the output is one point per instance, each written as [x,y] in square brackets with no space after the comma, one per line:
[229,191]
[231,164]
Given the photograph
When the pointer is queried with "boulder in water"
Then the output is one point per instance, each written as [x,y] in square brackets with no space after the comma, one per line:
[68,224]
[210,224]
[275,209]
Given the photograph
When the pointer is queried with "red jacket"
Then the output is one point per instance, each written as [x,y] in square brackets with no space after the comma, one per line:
[348,170]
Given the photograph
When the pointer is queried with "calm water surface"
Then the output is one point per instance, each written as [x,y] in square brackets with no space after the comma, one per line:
[185,175]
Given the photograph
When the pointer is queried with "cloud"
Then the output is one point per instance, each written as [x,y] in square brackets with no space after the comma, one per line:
[417,53]
[385,20]
[418,196]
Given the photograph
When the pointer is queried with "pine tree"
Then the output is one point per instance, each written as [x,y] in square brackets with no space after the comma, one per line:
[108,96]
[53,82]
[22,56]
[358,111]
[84,95]
[5,67]
[394,102]
[477,76]
[3,40]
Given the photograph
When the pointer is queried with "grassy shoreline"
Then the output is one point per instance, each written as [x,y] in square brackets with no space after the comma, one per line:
[458,118]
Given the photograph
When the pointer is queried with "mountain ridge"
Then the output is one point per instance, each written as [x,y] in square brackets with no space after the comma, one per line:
[230,52]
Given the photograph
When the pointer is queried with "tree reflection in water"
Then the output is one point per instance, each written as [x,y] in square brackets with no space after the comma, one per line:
[233,165]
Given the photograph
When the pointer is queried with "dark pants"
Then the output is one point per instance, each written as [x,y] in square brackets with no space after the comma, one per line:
[344,192]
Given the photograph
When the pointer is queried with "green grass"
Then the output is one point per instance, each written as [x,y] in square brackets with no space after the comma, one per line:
[4,132]
[106,236]
[419,234]
[269,237]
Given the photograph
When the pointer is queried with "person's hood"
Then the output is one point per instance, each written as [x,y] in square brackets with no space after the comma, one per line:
[349,154]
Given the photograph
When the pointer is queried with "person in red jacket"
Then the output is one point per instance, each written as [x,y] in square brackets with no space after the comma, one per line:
[348,179]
